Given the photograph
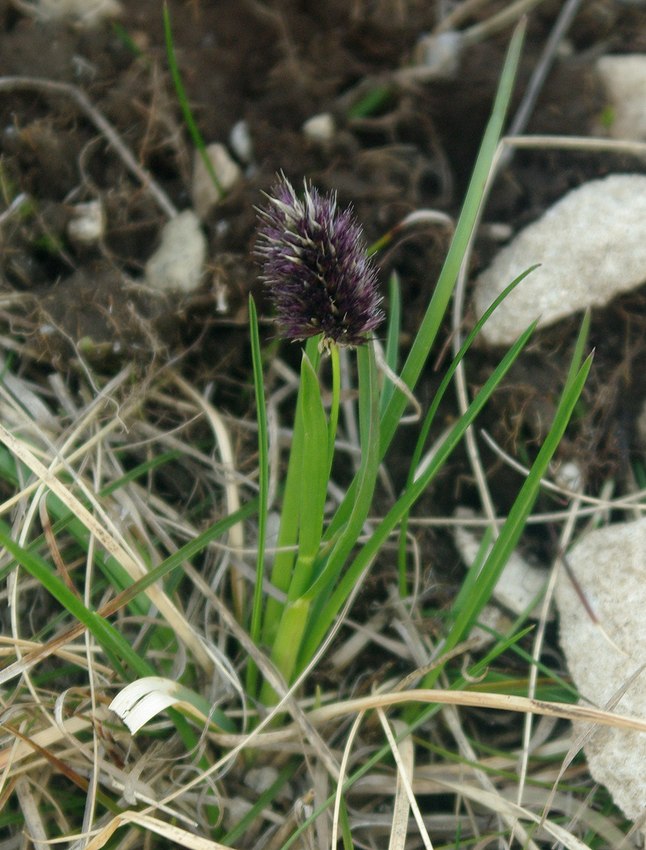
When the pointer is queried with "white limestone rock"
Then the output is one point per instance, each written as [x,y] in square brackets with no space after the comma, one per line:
[204,192]
[610,566]
[591,245]
[320,128]
[624,79]
[87,224]
[178,263]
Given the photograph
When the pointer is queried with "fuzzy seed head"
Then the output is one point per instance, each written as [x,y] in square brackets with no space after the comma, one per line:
[315,267]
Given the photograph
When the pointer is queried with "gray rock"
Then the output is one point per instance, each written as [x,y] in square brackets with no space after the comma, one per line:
[604,656]
[591,245]
[179,261]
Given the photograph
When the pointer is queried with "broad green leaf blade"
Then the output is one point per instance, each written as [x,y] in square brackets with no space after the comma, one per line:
[370,549]
[314,472]
[263,489]
[283,567]
[366,477]
[392,340]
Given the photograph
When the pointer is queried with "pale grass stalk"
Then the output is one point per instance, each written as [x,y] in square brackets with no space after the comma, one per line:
[286,701]
[452,720]
[606,505]
[629,503]
[471,699]
[45,738]
[236,532]
[89,812]
[458,14]
[12,84]
[343,771]
[72,655]
[500,702]
[61,463]
[172,833]
[402,386]
[267,669]
[31,813]
[537,646]
[502,19]
[595,144]
[321,792]
[496,803]
[103,530]
[584,734]
[404,756]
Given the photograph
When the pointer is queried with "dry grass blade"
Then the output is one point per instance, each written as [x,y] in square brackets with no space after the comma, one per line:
[404,755]
[43,740]
[170,832]
[110,543]
[236,533]
[500,702]
[31,814]
[496,803]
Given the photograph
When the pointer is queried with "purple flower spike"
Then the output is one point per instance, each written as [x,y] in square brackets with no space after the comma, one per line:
[315,266]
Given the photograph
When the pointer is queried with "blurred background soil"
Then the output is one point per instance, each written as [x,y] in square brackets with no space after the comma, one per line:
[402,141]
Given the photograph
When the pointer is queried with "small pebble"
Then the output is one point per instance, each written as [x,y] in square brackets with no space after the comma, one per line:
[204,192]
[87,224]
[178,263]
[240,141]
[624,78]
[320,128]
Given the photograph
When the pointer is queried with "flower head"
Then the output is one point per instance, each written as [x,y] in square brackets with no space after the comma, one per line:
[315,266]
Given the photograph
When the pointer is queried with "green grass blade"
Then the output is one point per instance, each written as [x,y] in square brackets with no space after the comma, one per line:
[193,130]
[263,489]
[392,339]
[366,478]
[283,567]
[446,282]
[472,605]
[463,232]
[117,649]
[433,408]
[314,478]
[370,549]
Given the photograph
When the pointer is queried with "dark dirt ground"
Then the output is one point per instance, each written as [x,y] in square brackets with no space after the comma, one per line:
[275,65]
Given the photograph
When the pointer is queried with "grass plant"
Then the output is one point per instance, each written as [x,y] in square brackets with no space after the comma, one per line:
[120,578]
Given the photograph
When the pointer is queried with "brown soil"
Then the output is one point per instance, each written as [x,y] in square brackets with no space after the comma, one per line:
[275,66]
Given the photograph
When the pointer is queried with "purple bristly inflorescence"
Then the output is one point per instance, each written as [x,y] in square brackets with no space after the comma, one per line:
[315,267]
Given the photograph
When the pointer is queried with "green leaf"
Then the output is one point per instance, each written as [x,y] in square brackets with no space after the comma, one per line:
[379,536]
[346,540]
[392,340]
[263,490]
[463,232]
[510,533]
